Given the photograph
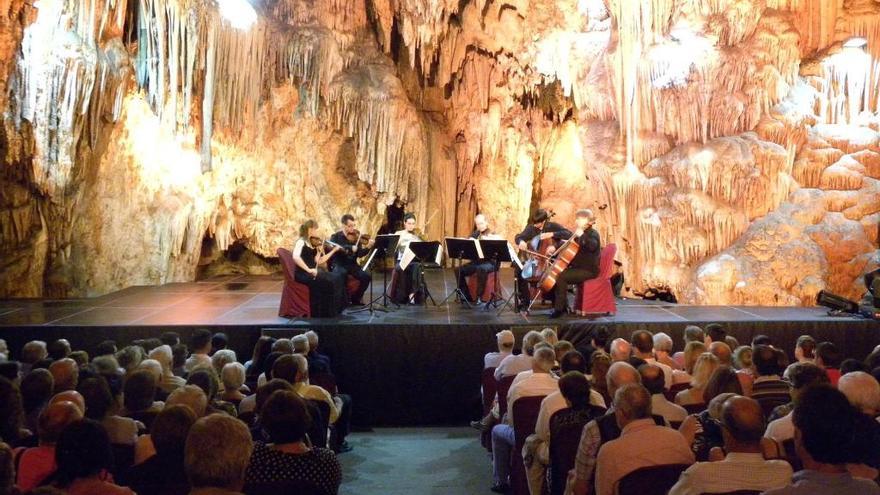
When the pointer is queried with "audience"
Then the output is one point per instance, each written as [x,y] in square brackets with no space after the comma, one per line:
[653,380]
[600,362]
[7,471]
[36,390]
[65,374]
[692,351]
[599,338]
[643,348]
[829,357]
[801,375]
[233,378]
[505,348]
[317,360]
[769,389]
[200,347]
[163,473]
[216,455]
[32,353]
[139,397]
[219,342]
[715,333]
[36,464]
[100,406]
[573,361]
[168,381]
[58,349]
[515,363]
[84,456]
[703,368]
[621,350]
[11,413]
[663,350]
[692,333]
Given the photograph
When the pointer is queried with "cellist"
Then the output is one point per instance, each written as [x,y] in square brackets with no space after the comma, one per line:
[585,264]
[541,227]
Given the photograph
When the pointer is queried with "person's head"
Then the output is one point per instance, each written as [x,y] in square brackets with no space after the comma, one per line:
[36,389]
[190,396]
[170,339]
[409,222]
[530,340]
[300,344]
[662,343]
[65,373]
[55,418]
[130,356]
[619,374]
[34,351]
[805,349]
[205,379]
[169,430]
[178,355]
[233,376]
[200,341]
[742,358]
[291,368]
[823,426]
[620,350]
[266,391]
[164,357]
[481,222]
[642,344]
[600,361]
[743,425]
[544,361]
[761,340]
[862,391]
[539,217]
[269,363]
[652,378]
[631,402]
[217,452]
[261,349]
[83,450]
[106,348]
[98,397]
[549,336]
[219,341]
[704,367]
[828,355]
[71,396]
[575,389]
[692,351]
[139,391]
[803,375]
[285,417]
[283,346]
[765,360]
[723,380]
[573,361]
[715,333]
[562,348]
[307,229]
[221,358]
[153,367]
[58,349]
[11,411]
[81,358]
[349,224]
[312,337]
[600,337]
[693,333]
[505,340]
[10,369]
[731,341]
[584,218]
[722,352]
[851,366]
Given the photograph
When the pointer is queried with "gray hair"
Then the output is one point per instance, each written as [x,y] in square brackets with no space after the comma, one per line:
[313,339]
[620,349]
[862,391]
[302,366]
[233,376]
[163,355]
[545,359]
[633,401]
[693,333]
[621,373]
[284,346]
[106,365]
[549,336]
[221,358]
[153,366]
[300,344]
[662,342]
[190,396]
[217,453]
[530,340]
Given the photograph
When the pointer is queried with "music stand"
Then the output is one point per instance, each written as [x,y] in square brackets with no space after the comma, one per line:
[425,252]
[461,249]
[497,250]
[384,246]
[512,300]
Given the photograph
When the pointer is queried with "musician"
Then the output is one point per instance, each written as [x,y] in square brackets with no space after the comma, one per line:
[409,280]
[482,268]
[539,228]
[326,289]
[585,264]
[345,262]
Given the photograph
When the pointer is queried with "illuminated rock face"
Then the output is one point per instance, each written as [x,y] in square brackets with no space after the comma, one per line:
[730,148]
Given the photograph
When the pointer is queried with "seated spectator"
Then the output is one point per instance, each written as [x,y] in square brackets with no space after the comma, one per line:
[317,360]
[731,341]
[139,397]
[539,383]
[100,407]
[801,376]
[692,351]
[549,336]
[554,402]
[715,333]
[36,464]
[768,388]
[641,443]
[743,466]
[261,396]
[653,380]
[83,456]
[742,359]
[200,346]
[289,457]
[828,357]
[12,428]
[205,379]
[81,358]
[163,473]
[805,349]
[515,363]
[702,431]
[36,390]
[824,435]
[219,342]
[129,357]
[294,369]
[70,396]
[505,348]
[621,350]
[189,396]
[105,348]
[300,344]
[643,348]
[722,352]
[863,393]
[692,333]
[168,382]
[31,353]
[600,362]
[107,365]
[179,355]
[221,358]
[216,456]
[153,367]
[705,365]
[562,348]
[65,373]
[761,340]
[851,366]
[11,370]
[233,381]
[58,349]
[170,339]
[599,338]
[255,366]
[663,350]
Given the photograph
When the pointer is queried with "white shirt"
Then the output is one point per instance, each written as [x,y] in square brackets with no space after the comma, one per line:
[781,429]
[513,365]
[554,403]
[534,385]
[738,471]
[493,359]
[671,412]
[667,371]
[195,361]
[247,404]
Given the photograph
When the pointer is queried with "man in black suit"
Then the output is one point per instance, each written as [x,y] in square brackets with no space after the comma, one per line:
[345,261]
[541,227]
[482,268]
[585,264]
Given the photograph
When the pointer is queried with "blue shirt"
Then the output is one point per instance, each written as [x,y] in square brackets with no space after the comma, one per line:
[809,482]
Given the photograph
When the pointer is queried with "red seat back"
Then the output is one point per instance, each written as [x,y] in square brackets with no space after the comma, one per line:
[525,416]
[503,386]
[653,480]
[675,389]
[564,442]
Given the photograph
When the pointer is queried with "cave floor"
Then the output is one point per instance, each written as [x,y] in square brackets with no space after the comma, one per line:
[250,300]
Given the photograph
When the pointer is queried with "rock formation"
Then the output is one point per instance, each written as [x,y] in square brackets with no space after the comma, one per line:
[730,147]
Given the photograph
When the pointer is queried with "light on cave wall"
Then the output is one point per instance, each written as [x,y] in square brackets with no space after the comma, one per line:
[239,13]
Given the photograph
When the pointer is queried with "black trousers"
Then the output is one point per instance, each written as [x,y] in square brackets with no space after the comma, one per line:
[569,276]
[408,282]
[482,269]
[343,424]
[355,271]
[326,292]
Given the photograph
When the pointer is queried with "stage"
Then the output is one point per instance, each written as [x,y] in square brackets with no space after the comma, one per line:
[411,365]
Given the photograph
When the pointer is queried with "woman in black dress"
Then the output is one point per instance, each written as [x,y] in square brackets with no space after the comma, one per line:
[326,289]
[408,281]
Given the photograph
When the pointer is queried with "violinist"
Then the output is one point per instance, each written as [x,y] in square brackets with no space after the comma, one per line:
[326,289]
[354,245]
[585,264]
[482,268]
[540,228]
[408,281]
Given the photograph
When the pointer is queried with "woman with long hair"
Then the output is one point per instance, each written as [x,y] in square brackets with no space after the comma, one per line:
[326,289]
[408,281]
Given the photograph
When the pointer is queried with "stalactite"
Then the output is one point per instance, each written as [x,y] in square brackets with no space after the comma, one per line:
[208,96]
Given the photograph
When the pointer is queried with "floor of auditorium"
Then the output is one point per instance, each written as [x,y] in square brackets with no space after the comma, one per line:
[427,461]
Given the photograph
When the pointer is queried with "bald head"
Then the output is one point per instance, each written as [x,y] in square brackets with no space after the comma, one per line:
[620,350]
[631,402]
[722,351]
[653,378]
[66,374]
[71,396]
[744,424]
[620,374]
[55,418]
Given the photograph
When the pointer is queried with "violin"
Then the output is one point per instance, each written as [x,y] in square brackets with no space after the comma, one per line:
[356,238]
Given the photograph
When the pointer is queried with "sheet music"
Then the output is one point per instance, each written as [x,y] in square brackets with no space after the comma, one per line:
[407,258]
[514,257]
[369,260]
[479,249]
[439,256]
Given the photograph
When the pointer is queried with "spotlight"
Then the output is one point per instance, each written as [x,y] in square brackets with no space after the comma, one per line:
[856,42]
[239,13]
[836,303]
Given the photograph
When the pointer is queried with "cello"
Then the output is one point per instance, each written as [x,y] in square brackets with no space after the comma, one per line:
[564,257]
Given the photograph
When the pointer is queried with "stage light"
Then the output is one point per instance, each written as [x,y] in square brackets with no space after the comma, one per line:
[836,303]
[239,13]
[856,42]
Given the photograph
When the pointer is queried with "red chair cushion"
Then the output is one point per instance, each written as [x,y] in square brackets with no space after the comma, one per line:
[596,296]
[525,416]
[491,288]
